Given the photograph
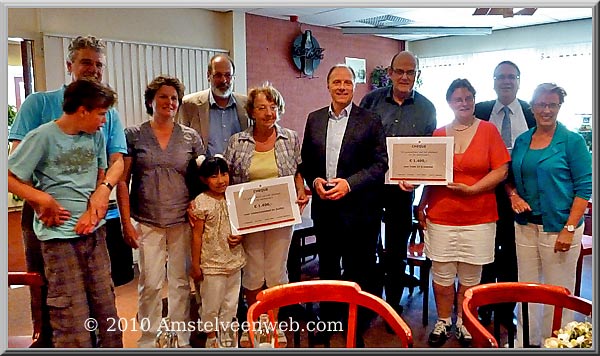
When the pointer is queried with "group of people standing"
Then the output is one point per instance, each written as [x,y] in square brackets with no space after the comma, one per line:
[172,170]
[515,209]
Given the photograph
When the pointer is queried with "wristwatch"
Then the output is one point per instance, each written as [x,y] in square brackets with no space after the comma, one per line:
[107,183]
[570,228]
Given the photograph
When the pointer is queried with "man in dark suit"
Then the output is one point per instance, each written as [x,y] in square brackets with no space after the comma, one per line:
[344,160]
[512,117]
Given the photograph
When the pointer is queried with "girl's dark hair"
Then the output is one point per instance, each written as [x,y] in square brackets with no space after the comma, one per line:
[210,166]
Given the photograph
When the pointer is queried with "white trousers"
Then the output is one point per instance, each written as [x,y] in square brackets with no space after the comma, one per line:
[537,262]
[220,295]
[266,258]
[160,246]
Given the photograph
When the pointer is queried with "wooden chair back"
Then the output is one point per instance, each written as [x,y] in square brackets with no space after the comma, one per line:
[329,291]
[518,292]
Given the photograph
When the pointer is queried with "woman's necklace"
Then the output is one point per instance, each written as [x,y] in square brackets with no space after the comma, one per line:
[463,129]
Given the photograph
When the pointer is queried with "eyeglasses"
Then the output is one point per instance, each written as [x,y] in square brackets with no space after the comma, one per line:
[509,77]
[542,106]
[409,73]
[468,99]
[227,76]
[263,108]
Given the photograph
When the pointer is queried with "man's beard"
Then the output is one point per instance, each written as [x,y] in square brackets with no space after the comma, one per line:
[220,93]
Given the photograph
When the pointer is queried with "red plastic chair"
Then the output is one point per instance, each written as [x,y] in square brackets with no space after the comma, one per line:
[329,291]
[586,248]
[35,281]
[518,292]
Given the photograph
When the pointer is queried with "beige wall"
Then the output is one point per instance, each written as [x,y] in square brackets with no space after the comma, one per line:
[185,27]
[525,37]
[24,23]
[14,54]
[182,27]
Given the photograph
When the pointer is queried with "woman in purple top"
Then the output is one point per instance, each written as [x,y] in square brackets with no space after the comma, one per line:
[158,153]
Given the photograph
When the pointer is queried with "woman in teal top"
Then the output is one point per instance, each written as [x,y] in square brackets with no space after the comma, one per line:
[552,172]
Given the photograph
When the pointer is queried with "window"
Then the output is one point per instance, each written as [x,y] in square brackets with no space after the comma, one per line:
[568,66]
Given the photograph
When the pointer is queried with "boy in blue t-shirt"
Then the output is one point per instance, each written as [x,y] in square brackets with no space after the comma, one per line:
[56,168]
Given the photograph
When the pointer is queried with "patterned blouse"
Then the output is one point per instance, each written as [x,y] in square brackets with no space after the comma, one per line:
[216,256]
[241,147]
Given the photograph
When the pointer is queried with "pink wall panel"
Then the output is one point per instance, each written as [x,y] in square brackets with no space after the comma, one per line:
[268,52]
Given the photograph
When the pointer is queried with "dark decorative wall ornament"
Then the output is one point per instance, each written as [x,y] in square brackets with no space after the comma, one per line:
[306,53]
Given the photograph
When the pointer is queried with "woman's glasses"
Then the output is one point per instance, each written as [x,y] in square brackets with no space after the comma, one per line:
[542,106]
[468,100]
[264,108]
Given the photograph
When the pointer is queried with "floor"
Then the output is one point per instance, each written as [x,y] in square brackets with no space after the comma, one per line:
[375,337]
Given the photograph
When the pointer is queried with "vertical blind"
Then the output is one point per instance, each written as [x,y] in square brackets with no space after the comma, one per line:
[132,65]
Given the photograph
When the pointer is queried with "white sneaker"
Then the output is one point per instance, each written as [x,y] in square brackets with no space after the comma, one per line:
[440,333]
[463,335]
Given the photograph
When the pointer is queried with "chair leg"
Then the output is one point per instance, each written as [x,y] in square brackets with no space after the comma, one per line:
[411,270]
[578,271]
[424,277]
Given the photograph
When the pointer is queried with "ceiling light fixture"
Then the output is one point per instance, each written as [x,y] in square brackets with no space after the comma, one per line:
[407,30]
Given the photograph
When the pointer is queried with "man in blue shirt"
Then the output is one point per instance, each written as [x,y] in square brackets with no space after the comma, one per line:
[56,168]
[86,59]
[218,112]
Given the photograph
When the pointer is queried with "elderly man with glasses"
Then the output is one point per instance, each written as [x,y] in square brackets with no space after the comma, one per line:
[404,112]
[512,117]
[216,113]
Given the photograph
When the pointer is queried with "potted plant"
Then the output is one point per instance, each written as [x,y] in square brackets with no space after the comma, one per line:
[12,113]
[380,78]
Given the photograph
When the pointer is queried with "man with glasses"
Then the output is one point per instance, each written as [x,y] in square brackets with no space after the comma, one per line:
[218,112]
[86,59]
[512,117]
[404,112]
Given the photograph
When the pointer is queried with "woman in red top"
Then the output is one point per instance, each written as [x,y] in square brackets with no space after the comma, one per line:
[460,218]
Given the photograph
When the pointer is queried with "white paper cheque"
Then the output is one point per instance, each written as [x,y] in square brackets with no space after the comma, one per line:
[420,160]
[262,205]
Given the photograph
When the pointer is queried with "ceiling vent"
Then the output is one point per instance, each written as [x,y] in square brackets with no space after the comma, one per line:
[386,21]
[505,12]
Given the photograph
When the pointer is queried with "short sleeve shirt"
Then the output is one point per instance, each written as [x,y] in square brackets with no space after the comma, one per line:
[216,256]
[64,166]
[485,153]
[159,195]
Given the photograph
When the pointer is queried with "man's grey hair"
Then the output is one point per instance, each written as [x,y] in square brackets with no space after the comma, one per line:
[83,42]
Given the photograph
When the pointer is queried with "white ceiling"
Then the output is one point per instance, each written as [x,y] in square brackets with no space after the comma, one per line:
[420,17]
